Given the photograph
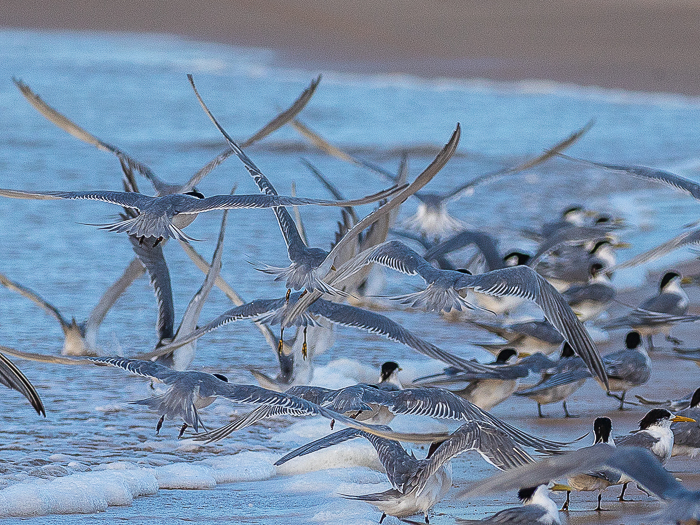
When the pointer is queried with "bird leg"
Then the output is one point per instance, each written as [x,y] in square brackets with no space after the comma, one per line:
[600,498]
[304,348]
[280,345]
[621,497]
[565,506]
[382,518]
[182,430]
[621,398]
[160,424]
[426,519]
[566,412]
[158,241]
[539,411]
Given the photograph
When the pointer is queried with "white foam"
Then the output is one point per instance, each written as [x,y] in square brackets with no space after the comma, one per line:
[82,493]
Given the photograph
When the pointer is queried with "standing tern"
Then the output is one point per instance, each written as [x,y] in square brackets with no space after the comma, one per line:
[686,438]
[418,484]
[655,435]
[593,480]
[558,382]
[628,367]
[671,302]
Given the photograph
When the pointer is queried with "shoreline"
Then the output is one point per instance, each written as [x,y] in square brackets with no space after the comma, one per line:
[636,45]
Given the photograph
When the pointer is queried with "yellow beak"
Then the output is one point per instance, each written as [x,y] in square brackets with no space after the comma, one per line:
[687,280]
[559,487]
[524,354]
[676,419]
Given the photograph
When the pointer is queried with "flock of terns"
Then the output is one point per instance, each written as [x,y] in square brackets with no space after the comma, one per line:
[568,279]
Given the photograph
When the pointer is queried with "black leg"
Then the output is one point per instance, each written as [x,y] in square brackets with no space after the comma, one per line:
[426,519]
[566,412]
[565,506]
[382,518]
[182,430]
[600,497]
[160,424]
[621,497]
[539,411]
[304,348]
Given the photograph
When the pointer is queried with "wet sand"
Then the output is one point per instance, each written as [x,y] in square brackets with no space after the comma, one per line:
[644,45]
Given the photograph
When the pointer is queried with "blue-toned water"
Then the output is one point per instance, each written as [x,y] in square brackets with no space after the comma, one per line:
[131,90]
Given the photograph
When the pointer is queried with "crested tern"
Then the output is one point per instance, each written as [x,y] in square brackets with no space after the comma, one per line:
[594,480]
[567,375]
[655,435]
[671,301]
[628,367]
[686,438]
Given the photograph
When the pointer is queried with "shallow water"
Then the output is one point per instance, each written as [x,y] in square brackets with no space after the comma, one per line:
[131,91]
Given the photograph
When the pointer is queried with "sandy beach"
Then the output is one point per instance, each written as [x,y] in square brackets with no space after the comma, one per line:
[641,45]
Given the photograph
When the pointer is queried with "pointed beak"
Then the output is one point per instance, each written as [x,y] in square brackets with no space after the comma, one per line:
[559,487]
[687,280]
[524,354]
[676,419]
[622,245]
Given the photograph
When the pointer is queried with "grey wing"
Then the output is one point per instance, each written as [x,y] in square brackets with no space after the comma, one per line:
[12,377]
[686,433]
[346,315]
[629,366]
[127,199]
[543,471]
[421,180]
[589,292]
[643,467]
[484,242]
[682,184]
[194,308]
[443,404]
[35,298]
[522,281]
[666,303]
[399,465]
[637,439]
[525,515]
[133,271]
[564,378]
[138,367]
[684,239]
[71,127]
[154,261]
[252,417]
[280,120]
[488,177]
[392,254]
[568,236]
[328,148]
[494,445]
[327,441]
[251,310]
